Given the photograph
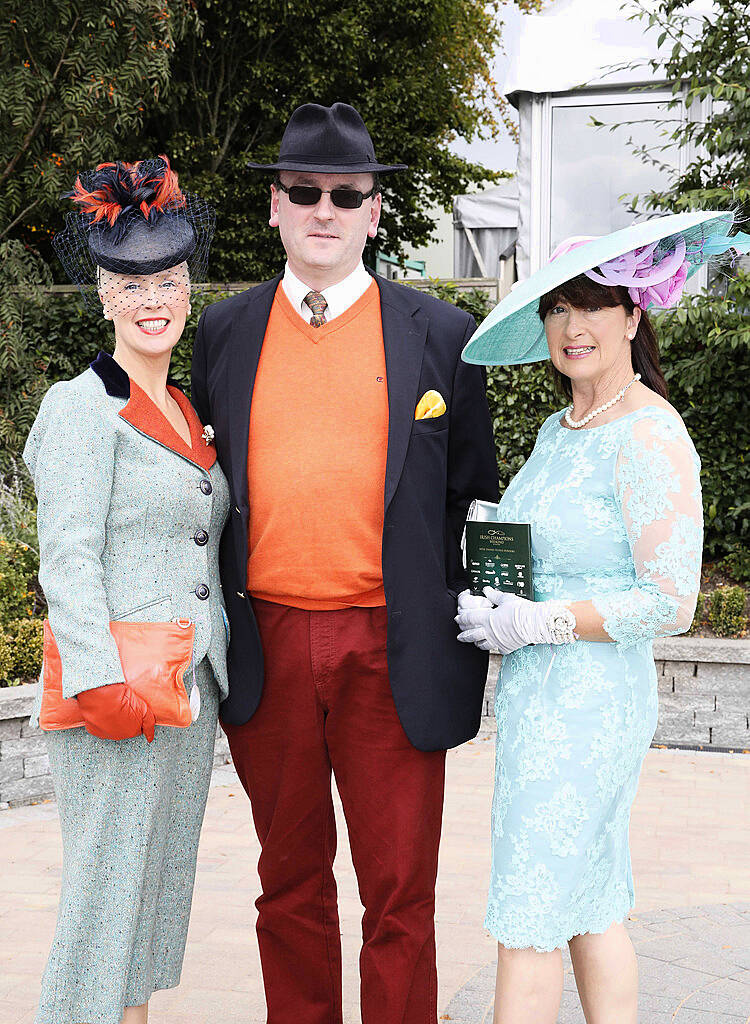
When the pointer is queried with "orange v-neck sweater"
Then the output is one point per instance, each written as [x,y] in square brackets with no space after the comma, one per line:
[316,459]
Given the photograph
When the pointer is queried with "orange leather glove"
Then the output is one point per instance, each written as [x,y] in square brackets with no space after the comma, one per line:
[115,712]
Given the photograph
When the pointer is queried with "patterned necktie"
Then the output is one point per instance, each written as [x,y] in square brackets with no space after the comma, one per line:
[318,305]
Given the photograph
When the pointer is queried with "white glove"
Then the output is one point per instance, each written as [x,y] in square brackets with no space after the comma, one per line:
[515,622]
[468,600]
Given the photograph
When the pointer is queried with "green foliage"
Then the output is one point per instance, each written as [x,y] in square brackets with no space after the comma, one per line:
[705,346]
[709,60]
[737,564]
[17,581]
[699,618]
[417,70]
[472,300]
[6,661]
[213,84]
[23,277]
[20,595]
[520,398]
[21,643]
[727,613]
[18,516]
[75,75]
[26,642]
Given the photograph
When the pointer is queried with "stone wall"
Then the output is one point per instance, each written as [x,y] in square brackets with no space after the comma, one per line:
[24,765]
[704,692]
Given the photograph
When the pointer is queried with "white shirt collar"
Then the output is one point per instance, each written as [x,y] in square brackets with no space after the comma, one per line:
[339,296]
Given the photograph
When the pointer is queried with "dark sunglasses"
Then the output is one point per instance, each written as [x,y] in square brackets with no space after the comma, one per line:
[309,195]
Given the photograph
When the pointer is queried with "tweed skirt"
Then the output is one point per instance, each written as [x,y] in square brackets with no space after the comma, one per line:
[130,815]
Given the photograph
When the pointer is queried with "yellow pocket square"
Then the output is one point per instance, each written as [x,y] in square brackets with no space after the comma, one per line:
[430,406]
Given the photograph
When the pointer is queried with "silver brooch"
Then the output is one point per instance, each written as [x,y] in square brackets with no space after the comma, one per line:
[208,434]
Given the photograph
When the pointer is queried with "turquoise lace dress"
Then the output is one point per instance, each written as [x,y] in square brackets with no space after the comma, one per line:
[615,513]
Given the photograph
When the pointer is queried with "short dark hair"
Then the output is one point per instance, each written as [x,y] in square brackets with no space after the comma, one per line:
[581,292]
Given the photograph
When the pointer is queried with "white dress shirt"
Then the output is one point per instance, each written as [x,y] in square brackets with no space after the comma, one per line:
[339,296]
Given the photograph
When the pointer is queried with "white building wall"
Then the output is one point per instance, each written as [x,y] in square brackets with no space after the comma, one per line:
[438,255]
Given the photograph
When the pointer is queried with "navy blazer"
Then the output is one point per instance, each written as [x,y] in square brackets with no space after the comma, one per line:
[434,468]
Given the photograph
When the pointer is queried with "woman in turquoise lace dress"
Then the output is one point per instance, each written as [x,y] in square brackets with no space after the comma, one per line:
[612,493]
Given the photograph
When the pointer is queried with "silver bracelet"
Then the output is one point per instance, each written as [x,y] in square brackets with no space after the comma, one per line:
[561,623]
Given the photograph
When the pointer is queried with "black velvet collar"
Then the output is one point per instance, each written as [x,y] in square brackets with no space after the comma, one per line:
[115,379]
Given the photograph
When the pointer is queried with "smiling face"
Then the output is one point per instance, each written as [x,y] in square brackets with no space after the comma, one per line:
[148,311]
[324,243]
[589,335]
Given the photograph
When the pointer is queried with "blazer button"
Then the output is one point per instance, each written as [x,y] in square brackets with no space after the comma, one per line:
[206,486]
[201,592]
[201,538]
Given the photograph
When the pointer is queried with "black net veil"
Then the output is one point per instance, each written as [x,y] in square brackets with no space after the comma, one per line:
[135,237]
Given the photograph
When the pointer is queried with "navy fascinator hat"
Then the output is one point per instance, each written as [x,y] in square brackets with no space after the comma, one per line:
[134,219]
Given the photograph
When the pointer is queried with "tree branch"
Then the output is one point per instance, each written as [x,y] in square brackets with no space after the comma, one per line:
[37,123]
[20,217]
[214,114]
[219,158]
[31,55]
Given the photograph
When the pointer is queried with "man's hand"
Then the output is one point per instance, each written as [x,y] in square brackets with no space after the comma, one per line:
[115,712]
[472,602]
[468,600]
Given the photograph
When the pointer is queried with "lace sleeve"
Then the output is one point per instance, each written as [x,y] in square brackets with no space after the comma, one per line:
[657,484]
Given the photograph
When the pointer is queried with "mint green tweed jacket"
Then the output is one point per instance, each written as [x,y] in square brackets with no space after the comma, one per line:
[114,543]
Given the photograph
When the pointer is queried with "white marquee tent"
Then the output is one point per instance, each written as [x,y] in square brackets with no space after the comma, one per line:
[485,228]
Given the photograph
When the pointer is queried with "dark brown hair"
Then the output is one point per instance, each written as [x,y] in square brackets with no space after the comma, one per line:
[583,293]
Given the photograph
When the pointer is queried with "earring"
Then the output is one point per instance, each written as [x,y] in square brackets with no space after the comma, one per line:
[189,309]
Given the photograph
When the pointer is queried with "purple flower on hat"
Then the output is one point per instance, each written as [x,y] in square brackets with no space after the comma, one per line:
[648,283]
[664,294]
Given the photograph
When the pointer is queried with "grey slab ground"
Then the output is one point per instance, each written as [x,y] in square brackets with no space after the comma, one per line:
[693,963]
[689,841]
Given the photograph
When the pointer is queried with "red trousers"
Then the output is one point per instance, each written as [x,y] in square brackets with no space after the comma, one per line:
[327,706]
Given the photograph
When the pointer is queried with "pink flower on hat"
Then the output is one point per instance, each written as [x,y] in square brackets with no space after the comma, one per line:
[665,294]
[648,284]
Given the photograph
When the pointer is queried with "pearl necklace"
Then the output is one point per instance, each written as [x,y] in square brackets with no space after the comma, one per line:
[602,408]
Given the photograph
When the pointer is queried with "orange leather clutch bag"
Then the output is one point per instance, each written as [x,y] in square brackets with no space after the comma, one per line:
[154,657]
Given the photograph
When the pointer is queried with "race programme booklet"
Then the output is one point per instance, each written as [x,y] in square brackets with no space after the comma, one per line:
[498,554]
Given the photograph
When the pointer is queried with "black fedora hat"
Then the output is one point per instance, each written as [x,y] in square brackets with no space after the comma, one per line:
[330,140]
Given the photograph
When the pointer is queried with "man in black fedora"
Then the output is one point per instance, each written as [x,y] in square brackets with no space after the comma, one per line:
[354,439]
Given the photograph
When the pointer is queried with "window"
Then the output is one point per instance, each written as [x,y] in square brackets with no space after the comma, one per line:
[593,168]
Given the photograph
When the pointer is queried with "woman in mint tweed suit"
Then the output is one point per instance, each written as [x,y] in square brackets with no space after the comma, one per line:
[131,505]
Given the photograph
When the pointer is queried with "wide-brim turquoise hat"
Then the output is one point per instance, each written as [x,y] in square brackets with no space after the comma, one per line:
[513,332]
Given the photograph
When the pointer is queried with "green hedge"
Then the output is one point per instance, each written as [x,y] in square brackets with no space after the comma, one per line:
[705,347]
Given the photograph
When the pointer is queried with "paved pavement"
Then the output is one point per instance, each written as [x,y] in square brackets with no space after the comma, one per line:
[690,840]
